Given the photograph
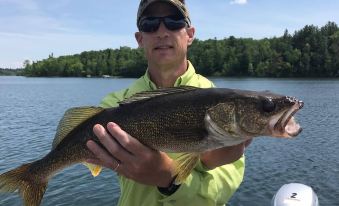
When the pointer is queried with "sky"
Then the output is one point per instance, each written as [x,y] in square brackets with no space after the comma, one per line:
[34,29]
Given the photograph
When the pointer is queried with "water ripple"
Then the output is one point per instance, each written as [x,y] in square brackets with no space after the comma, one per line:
[30,109]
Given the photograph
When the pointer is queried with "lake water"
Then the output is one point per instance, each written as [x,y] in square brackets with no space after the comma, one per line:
[30,109]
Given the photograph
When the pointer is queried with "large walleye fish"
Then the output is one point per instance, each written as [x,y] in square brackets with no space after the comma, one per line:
[186,120]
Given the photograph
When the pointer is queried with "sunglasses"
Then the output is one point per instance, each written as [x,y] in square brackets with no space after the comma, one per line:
[152,24]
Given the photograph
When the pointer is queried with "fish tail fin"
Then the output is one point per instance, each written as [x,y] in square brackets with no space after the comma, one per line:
[184,165]
[31,188]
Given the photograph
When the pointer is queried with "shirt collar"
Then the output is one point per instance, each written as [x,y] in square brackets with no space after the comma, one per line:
[182,80]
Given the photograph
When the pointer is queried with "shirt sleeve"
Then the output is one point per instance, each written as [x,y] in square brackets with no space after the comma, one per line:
[113,99]
[208,187]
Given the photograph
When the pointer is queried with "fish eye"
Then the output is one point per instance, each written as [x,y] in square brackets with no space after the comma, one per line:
[268,105]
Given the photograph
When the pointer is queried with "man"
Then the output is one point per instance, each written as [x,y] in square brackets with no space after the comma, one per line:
[145,175]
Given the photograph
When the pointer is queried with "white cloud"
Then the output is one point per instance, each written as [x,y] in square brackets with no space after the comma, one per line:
[23,5]
[241,2]
[27,24]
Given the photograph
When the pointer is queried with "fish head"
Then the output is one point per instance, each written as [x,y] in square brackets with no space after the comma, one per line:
[267,114]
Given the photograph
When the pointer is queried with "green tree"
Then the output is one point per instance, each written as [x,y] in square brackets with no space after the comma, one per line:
[309,52]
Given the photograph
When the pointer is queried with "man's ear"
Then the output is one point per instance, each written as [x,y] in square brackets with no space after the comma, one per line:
[190,33]
[138,37]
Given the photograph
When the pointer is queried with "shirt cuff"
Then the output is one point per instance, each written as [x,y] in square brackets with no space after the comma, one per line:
[188,188]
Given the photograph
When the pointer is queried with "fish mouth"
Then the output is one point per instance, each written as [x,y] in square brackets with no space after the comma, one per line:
[284,124]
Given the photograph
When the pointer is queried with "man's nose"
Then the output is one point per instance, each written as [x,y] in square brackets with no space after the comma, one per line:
[162,30]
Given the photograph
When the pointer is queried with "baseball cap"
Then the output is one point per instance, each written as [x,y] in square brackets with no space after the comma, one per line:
[179,4]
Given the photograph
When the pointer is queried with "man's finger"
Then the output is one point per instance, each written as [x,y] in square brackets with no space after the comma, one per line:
[95,162]
[110,143]
[127,141]
[103,157]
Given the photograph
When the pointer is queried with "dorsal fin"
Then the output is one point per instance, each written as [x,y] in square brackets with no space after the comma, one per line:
[142,96]
[72,118]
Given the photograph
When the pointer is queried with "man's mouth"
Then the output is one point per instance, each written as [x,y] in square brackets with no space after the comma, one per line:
[163,47]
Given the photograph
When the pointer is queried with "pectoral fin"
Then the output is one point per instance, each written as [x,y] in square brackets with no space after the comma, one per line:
[95,169]
[184,165]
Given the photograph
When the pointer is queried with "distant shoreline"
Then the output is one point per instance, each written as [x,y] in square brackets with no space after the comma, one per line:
[11,72]
[210,77]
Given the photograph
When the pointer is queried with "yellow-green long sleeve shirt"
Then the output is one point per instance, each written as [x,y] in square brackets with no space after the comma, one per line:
[202,187]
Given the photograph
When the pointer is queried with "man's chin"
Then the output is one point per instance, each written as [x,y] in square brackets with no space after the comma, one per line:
[164,59]
[163,52]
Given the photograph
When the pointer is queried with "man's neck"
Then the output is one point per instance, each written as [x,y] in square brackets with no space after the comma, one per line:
[166,75]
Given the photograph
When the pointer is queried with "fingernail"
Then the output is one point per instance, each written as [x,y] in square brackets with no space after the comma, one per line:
[89,143]
[96,129]
[111,124]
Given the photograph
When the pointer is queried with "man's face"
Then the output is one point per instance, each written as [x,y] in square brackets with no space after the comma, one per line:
[164,47]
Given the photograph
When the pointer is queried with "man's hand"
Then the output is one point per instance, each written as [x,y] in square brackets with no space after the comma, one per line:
[145,165]
[136,161]
[225,155]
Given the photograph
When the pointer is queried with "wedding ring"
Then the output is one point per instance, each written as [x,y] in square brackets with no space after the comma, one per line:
[116,167]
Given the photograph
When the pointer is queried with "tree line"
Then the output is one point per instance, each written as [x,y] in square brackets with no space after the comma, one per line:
[309,52]
[10,72]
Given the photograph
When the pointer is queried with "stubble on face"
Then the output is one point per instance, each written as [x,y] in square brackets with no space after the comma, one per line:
[164,47]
